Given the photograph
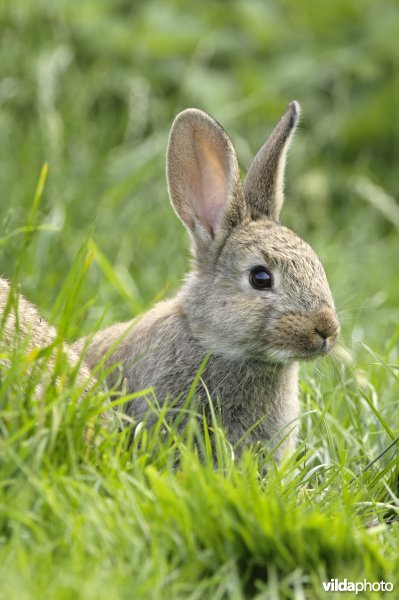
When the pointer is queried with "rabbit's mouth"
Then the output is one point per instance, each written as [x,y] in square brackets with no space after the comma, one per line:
[326,340]
[306,354]
[324,346]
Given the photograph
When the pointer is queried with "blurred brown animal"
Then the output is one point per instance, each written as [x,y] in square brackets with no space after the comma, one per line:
[28,331]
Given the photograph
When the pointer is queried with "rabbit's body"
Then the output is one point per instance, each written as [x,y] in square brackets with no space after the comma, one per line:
[257,299]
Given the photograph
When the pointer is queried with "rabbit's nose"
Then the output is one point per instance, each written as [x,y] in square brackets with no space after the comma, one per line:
[326,325]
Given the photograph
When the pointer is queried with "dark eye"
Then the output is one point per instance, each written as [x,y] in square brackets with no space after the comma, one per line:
[260,278]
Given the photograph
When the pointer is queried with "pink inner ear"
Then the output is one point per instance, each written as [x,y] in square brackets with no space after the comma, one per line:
[211,182]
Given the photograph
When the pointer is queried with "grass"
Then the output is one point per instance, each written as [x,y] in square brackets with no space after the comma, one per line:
[92,90]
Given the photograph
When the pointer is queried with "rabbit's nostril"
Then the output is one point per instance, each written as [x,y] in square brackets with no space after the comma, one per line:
[324,339]
[327,331]
[321,333]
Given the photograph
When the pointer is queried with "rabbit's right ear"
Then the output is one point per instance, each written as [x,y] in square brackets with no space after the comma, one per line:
[203,176]
[264,183]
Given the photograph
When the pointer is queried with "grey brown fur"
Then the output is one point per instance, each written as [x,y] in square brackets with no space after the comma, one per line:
[255,337]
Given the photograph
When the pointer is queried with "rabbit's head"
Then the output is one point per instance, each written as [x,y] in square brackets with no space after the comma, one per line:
[256,289]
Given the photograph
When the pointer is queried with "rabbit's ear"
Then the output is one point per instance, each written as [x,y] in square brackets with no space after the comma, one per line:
[203,175]
[264,184]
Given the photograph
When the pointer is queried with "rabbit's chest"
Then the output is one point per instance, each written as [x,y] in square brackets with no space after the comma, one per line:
[256,402]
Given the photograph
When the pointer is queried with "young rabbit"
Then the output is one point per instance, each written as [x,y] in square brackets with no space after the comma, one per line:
[257,298]
[26,330]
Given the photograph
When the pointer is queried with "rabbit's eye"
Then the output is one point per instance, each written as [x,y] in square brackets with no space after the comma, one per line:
[260,278]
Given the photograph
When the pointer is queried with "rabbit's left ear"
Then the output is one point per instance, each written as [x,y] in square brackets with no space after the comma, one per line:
[203,176]
[264,184]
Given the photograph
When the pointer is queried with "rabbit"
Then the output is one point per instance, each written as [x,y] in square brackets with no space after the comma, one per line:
[25,330]
[257,300]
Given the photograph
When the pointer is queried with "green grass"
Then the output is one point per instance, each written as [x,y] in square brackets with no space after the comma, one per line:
[91,88]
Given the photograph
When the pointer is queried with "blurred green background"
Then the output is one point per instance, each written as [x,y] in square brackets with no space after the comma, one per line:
[92,87]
